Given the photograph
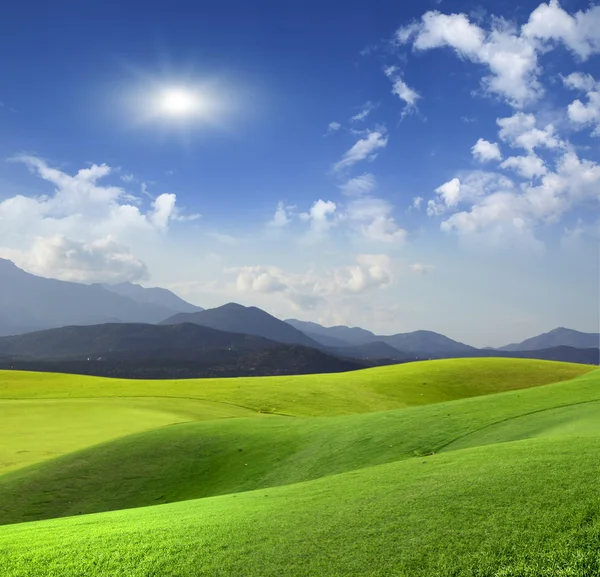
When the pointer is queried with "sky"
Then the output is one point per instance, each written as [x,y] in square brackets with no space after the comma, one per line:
[397,166]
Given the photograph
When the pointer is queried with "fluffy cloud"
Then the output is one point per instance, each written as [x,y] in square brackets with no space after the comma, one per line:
[102,260]
[80,229]
[529,166]
[305,290]
[365,148]
[510,53]
[402,90]
[367,215]
[510,56]
[588,113]
[372,218]
[485,151]
[80,207]
[579,32]
[320,216]
[509,213]
[468,188]
[520,131]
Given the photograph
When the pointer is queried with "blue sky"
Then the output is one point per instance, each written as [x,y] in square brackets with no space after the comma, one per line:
[393,166]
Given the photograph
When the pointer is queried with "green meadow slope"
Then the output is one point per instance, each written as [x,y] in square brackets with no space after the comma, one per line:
[521,509]
[368,390]
[497,478]
[200,459]
[47,415]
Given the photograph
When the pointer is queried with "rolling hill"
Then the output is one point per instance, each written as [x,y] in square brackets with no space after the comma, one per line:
[512,473]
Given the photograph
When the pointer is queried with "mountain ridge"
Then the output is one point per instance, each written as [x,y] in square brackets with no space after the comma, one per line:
[233,317]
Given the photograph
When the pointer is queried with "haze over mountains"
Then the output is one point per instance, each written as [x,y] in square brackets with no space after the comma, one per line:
[556,338]
[29,302]
[236,318]
[128,324]
[153,296]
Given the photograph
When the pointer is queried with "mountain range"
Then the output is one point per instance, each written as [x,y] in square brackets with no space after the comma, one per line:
[236,318]
[127,323]
[559,337]
[182,350]
[29,302]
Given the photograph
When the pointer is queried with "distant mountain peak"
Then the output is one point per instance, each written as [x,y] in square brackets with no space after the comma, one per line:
[6,265]
[560,336]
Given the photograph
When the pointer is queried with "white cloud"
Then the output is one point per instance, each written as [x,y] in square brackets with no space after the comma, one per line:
[402,90]
[371,271]
[528,166]
[282,216]
[81,207]
[450,192]
[580,32]
[584,114]
[469,188]
[579,81]
[82,211]
[359,185]
[510,57]
[101,260]
[369,216]
[163,209]
[484,151]
[372,218]
[520,131]
[364,112]
[365,148]
[417,201]
[505,213]
[305,290]
[333,127]
[320,216]
[259,279]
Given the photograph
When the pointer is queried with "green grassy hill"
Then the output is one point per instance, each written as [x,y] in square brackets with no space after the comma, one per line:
[45,415]
[478,469]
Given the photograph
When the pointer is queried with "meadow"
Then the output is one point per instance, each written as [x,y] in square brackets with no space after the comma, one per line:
[451,467]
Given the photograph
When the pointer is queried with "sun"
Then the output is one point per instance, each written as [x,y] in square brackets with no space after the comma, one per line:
[179,102]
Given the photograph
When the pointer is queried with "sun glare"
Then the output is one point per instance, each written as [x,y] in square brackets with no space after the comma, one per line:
[179,102]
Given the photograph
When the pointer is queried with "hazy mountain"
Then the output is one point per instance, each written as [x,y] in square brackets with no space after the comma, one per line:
[426,342]
[29,302]
[560,337]
[374,351]
[326,340]
[351,335]
[123,340]
[184,350]
[417,343]
[236,318]
[153,296]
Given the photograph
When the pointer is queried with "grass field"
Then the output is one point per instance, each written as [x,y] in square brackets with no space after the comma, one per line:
[406,470]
